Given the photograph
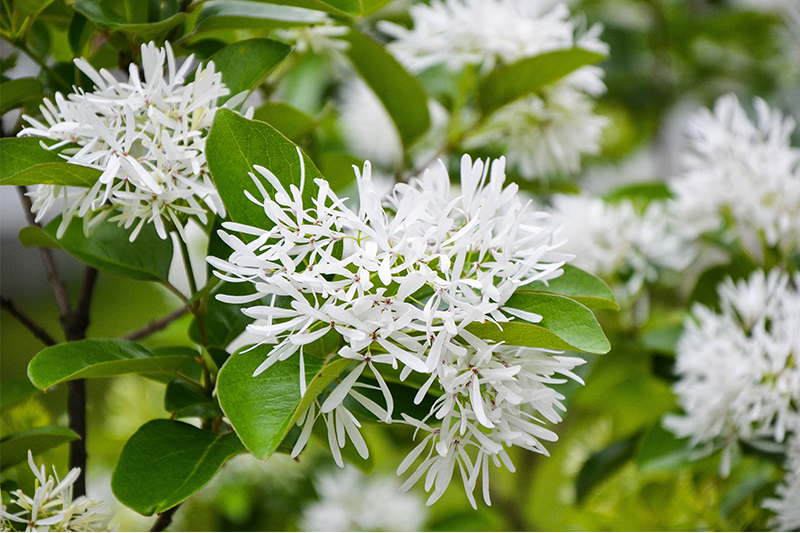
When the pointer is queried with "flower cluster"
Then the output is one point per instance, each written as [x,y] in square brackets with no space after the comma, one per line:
[739,377]
[402,281]
[543,134]
[347,503]
[787,510]
[52,507]
[618,244]
[744,174]
[146,135]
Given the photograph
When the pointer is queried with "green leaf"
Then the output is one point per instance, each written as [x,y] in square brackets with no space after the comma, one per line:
[662,451]
[565,325]
[19,92]
[97,359]
[705,290]
[21,153]
[662,339]
[15,447]
[31,8]
[529,75]
[292,123]
[129,16]
[108,248]
[336,7]
[14,392]
[338,169]
[238,14]
[186,399]
[401,93]
[603,464]
[78,33]
[245,64]
[371,6]
[264,408]
[167,461]
[234,145]
[223,322]
[653,190]
[55,174]
[581,286]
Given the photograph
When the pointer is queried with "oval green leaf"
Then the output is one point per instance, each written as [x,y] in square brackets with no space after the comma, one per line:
[602,464]
[185,399]
[167,461]
[581,286]
[38,440]
[336,7]
[529,75]
[108,248]
[565,325]
[14,392]
[264,408]
[401,93]
[21,153]
[98,359]
[234,145]
[292,123]
[19,92]
[245,64]
[239,14]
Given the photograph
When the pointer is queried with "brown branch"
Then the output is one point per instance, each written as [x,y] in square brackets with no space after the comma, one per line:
[37,330]
[156,325]
[164,519]
[59,287]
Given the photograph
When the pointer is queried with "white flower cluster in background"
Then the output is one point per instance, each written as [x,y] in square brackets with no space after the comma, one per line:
[316,38]
[146,135]
[415,272]
[51,508]
[347,503]
[617,243]
[787,504]
[542,134]
[739,377]
[744,173]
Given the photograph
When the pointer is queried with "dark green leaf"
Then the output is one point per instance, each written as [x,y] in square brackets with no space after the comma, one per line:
[97,359]
[338,169]
[705,290]
[401,93]
[264,408]
[234,145]
[13,392]
[653,190]
[15,447]
[78,33]
[289,121]
[19,92]
[223,322]
[187,399]
[603,464]
[22,153]
[371,6]
[336,7]
[565,325]
[108,248]
[31,8]
[55,174]
[167,461]
[237,14]
[662,451]
[581,286]
[529,75]
[130,16]
[663,339]
[245,64]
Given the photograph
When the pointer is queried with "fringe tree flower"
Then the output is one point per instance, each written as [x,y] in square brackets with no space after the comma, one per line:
[739,377]
[413,271]
[146,135]
[52,509]
[622,246]
[787,504]
[742,173]
[347,503]
[542,134]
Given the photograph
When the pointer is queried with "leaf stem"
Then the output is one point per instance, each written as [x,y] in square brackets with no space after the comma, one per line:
[164,519]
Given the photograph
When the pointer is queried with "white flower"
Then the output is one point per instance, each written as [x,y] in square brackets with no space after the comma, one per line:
[738,373]
[316,38]
[613,241]
[414,271]
[351,501]
[147,136]
[787,505]
[52,509]
[743,170]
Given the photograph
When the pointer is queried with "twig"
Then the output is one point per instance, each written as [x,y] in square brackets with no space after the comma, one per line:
[59,288]
[37,330]
[164,519]
[156,325]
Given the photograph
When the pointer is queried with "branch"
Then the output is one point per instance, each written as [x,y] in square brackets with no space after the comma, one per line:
[37,330]
[156,325]
[164,519]
[59,288]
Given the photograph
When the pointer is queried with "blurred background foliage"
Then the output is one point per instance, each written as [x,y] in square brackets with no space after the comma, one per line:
[613,467]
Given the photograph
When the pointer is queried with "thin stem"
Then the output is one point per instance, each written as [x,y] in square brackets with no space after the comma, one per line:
[37,330]
[164,519]
[156,325]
